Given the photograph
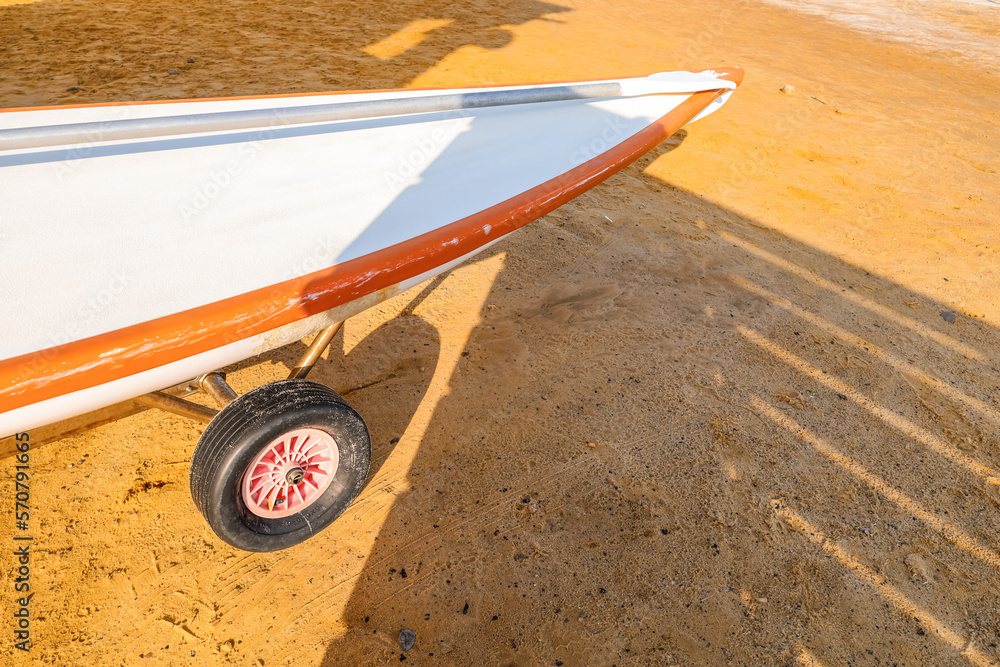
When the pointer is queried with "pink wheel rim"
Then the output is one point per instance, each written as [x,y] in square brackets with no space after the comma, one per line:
[290,473]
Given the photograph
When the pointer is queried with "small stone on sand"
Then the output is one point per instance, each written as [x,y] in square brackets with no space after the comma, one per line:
[788,90]
[173,72]
[407,638]
[949,316]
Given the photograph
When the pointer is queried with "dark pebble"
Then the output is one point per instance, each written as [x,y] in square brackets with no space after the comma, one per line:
[173,72]
[407,638]
[73,89]
[949,316]
[190,60]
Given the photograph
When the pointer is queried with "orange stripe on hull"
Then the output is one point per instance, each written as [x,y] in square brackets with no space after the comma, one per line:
[100,359]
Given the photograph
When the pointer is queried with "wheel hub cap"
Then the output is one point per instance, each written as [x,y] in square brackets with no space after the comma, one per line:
[290,474]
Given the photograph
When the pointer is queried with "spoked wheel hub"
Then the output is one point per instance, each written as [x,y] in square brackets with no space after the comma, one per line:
[279,464]
[290,473]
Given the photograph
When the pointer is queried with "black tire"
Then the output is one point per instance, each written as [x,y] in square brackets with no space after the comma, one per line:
[243,429]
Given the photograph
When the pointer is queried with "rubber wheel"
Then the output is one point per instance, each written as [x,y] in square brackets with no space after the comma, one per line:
[279,464]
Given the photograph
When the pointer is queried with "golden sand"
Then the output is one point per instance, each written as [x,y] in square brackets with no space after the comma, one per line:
[707,413]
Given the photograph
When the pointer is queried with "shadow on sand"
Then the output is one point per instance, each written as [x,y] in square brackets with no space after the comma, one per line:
[221,48]
[767,421]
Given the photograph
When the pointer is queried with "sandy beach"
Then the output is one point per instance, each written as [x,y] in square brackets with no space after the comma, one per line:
[737,405]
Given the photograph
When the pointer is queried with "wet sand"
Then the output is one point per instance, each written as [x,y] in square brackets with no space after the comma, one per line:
[708,413]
